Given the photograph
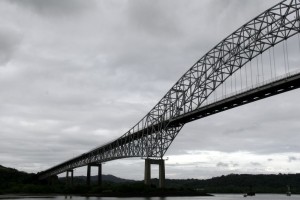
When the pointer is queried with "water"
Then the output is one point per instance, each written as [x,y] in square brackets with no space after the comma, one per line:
[216,197]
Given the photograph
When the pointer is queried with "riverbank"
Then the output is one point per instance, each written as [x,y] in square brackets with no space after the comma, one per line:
[150,194]
[110,194]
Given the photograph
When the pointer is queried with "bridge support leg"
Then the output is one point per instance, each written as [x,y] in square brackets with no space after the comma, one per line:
[162,175]
[67,177]
[147,172]
[88,175]
[99,174]
[161,164]
[72,176]
[68,181]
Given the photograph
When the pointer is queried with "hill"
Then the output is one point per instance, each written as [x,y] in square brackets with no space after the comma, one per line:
[105,178]
[10,175]
[14,181]
[241,183]
[233,183]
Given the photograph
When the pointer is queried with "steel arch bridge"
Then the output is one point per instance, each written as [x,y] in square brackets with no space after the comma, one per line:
[185,101]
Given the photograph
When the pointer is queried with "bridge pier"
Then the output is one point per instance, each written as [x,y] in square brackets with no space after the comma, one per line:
[99,174]
[161,164]
[88,176]
[69,182]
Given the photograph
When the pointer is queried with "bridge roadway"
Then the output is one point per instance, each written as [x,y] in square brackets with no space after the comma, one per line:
[268,89]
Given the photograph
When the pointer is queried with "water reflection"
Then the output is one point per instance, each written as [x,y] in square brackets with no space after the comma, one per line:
[216,197]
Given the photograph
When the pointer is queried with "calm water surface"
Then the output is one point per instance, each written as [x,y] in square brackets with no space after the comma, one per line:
[216,197]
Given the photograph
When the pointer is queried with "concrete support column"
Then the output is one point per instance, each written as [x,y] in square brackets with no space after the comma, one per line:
[161,164]
[162,175]
[68,181]
[67,177]
[72,176]
[147,179]
[99,174]
[88,175]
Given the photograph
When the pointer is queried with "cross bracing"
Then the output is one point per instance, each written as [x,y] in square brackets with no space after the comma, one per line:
[185,101]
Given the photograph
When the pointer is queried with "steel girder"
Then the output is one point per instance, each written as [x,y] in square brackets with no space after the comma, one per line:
[153,134]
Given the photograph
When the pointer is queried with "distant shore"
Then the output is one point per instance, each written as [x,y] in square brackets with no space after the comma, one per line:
[151,194]
[112,194]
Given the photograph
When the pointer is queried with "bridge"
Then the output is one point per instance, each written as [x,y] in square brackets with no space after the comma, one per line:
[222,79]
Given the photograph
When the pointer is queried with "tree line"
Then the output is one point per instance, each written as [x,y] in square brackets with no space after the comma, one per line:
[14,181]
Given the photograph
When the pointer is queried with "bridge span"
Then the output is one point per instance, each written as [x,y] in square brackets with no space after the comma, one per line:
[188,99]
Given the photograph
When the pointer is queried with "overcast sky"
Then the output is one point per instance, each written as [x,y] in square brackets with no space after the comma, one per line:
[75,74]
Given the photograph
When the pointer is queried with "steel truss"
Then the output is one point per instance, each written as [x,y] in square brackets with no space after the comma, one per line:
[154,133]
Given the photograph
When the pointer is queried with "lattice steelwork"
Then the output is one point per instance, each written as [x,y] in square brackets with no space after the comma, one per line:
[153,134]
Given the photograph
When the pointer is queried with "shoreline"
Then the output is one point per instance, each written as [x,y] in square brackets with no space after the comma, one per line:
[108,194]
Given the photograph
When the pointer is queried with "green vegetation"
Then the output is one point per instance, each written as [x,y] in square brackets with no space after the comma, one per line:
[241,183]
[14,182]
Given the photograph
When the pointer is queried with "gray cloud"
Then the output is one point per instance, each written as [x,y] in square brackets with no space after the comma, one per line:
[255,163]
[10,39]
[234,164]
[227,165]
[151,18]
[80,73]
[292,158]
[55,7]
[221,164]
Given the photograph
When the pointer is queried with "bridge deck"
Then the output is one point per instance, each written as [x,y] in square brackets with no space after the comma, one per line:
[280,85]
